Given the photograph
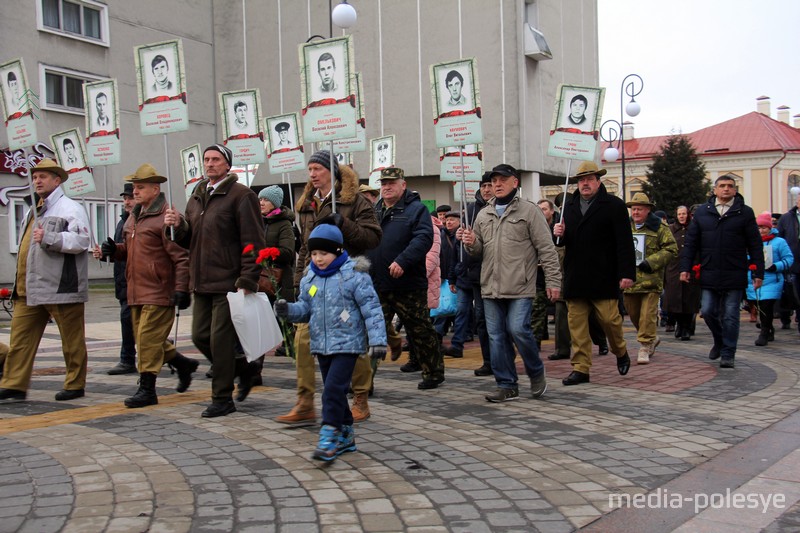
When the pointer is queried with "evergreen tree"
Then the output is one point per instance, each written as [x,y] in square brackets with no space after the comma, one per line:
[676,176]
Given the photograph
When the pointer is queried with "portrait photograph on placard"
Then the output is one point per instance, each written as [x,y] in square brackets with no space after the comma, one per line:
[16,107]
[14,84]
[240,114]
[71,156]
[456,103]
[161,87]
[382,155]
[284,143]
[639,247]
[575,128]
[191,166]
[328,88]
[102,122]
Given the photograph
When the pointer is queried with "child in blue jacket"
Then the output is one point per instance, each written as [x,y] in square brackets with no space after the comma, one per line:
[771,288]
[342,309]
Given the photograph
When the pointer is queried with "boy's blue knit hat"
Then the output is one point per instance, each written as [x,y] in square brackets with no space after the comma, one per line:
[326,237]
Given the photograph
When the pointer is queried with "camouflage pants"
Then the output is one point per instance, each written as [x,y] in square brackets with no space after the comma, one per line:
[539,315]
[412,308]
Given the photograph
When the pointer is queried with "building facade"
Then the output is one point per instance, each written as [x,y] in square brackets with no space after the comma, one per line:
[232,45]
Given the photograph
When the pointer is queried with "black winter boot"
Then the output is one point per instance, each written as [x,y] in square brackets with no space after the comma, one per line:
[763,337]
[185,367]
[146,395]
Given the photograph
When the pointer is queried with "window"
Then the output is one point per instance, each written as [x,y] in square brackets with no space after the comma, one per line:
[63,88]
[17,210]
[80,19]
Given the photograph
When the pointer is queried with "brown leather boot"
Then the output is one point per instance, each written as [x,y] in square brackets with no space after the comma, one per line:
[360,407]
[302,414]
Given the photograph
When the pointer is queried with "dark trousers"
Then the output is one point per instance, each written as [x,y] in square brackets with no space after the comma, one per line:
[127,352]
[337,371]
[214,335]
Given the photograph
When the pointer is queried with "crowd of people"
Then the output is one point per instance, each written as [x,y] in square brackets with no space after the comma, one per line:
[355,264]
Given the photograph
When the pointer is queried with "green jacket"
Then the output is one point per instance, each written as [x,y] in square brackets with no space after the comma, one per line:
[660,249]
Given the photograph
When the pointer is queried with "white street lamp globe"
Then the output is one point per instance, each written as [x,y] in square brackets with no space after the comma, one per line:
[633,108]
[344,15]
[795,190]
[611,154]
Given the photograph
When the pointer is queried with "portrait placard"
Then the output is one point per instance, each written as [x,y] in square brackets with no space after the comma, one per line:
[470,187]
[639,240]
[359,142]
[456,103]
[382,151]
[284,143]
[241,120]
[451,158]
[102,122]
[191,168]
[161,87]
[71,156]
[576,122]
[328,89]
[17,110]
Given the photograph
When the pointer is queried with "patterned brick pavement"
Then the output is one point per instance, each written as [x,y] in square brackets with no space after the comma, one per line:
[441,460]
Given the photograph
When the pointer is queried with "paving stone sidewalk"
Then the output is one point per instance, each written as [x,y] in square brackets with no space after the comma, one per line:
[442,460]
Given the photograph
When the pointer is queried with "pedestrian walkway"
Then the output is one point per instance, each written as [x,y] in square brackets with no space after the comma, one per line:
[677,445]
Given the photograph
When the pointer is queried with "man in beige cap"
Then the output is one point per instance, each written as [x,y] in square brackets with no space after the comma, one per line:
[157,273]
[641,300]
[52,280]
[598,263]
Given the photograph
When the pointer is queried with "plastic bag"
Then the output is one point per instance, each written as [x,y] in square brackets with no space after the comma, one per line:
[448,302]
[255,323]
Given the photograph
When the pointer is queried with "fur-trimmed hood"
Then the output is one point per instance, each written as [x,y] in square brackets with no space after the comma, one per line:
[346,189]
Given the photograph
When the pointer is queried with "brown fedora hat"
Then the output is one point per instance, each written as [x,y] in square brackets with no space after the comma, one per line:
[49,165]
[640,198]
[146,174]
[587,168]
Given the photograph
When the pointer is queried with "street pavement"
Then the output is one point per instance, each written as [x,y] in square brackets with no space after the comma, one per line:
[677,445]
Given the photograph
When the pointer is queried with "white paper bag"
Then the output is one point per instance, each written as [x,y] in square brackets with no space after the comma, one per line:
[255,323]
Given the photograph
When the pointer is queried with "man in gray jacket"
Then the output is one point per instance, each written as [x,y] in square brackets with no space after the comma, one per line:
[512,237]
[52,280]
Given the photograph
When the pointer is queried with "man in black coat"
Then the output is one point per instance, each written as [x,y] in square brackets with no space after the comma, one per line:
[789,230]
[725,232]
[598,263]
[398,269]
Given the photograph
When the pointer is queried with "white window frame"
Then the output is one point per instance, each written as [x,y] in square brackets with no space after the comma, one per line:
[103,41]
[13,235]
[85,76]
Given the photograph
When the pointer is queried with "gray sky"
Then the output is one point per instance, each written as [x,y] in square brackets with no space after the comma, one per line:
[702,61]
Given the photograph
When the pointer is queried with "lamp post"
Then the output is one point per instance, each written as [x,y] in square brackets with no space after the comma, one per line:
[631,88]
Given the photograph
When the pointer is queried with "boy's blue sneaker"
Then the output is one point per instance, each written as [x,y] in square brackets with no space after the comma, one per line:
[347,441]
[327,447]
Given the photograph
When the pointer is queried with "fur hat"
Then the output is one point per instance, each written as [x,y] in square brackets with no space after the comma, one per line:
[273,193]
[323,157]
[764,219]
[326,237]
[224,150]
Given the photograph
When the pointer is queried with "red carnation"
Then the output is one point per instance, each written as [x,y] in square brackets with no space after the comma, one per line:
[696,269]
[270,254]
[248,249]
[752,268]
[5,293]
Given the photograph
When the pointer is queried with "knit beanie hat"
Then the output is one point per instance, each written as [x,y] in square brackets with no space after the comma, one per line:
[323,157]
[273,193]
[764,219]
[224,150]
[326,237]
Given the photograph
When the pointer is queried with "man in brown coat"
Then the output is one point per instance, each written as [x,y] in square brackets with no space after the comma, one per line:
[157,273]
[222,217]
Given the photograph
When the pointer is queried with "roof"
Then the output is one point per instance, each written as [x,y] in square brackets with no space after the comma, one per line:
[753,132]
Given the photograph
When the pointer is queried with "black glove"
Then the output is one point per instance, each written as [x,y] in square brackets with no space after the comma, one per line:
[772,268]
[645,267]
[181,299]
[334,219]
[281,308]
[377,352]
[108,248]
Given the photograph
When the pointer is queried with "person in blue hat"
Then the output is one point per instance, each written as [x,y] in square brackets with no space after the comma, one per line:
[343,311]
